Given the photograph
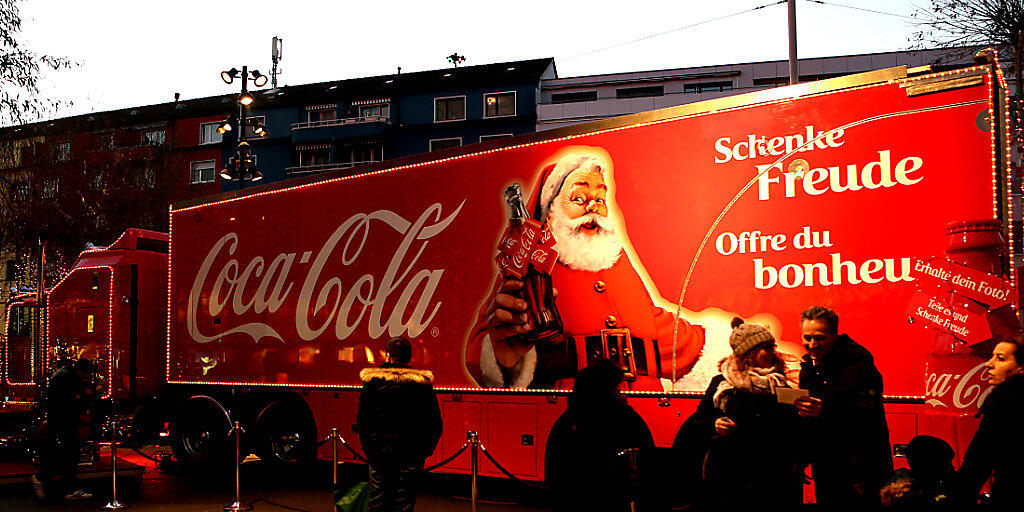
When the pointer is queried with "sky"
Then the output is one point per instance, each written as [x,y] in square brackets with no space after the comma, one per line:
[140,52]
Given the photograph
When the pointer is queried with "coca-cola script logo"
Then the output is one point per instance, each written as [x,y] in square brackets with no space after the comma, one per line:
[522,255]
[230,286]
[969,389]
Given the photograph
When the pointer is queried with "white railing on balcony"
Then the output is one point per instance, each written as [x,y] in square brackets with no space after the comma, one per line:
[337,122]
[327,167]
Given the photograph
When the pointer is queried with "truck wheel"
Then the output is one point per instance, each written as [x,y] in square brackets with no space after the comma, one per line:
[199,432]
[286,433]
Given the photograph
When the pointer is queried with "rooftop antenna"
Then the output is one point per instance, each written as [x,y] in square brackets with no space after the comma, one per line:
[456,59]
[275,55]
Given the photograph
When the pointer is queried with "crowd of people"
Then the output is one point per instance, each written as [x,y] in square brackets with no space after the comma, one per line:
[753,436]
[750,441]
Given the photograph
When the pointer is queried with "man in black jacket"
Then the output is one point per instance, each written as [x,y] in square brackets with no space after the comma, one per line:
[67,394]
[850,437]
[399,425]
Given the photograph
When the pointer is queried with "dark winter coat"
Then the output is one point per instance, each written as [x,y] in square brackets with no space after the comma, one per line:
[996,449]
[581,463]
[850,441]
[398,419]
[66,399]
[758,461]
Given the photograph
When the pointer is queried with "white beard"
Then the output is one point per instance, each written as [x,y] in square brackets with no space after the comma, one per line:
[580,251]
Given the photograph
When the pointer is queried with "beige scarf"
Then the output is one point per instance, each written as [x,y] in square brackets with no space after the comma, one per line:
[761,381]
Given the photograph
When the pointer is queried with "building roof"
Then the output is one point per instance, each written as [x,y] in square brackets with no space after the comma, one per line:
[384,86]
[956,54]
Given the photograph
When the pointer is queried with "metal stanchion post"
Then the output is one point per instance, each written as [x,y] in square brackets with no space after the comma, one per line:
[473,438]
[334,457]
[630,455]
[237,506]
[113,504]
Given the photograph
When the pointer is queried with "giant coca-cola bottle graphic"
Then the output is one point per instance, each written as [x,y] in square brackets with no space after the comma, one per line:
[526,254]
[955,376]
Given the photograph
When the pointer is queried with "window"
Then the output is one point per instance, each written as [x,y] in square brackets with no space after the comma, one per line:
[314,156]
[145,177]
[361,152]
[708,87]
[439,144]
[49,188]
[574,97]
[62,151]
[20,323]
[449,109]
[315,116]
[250,129]
[378,110]
[203,172]
[208,133]
[640,92]
[106,140]
[10,153]
[485,138]
[11,270]
[780,81]
[500,104]
[154,137]
[366,153]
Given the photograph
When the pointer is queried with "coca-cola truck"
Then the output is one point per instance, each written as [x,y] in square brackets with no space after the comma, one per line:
[267,303]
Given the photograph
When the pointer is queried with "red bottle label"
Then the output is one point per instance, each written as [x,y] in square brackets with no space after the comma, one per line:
[518,246]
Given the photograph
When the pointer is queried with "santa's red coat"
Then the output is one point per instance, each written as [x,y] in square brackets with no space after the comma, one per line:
[612,298]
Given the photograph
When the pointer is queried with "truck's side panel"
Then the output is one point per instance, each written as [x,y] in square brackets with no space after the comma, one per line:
[755,211]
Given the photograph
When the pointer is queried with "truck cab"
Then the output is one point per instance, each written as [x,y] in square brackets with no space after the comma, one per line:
[112,298]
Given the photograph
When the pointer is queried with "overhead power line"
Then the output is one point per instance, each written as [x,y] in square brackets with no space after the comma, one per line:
[674,30]
[833,4]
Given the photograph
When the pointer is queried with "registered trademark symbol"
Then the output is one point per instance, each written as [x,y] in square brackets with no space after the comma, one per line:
[434,331]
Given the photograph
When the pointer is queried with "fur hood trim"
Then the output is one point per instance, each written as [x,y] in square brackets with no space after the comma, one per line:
[397,375]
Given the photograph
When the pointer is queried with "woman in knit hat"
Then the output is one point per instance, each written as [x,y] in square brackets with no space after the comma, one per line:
[754,455]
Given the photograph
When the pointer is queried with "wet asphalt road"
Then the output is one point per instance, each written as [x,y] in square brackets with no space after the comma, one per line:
[296,488]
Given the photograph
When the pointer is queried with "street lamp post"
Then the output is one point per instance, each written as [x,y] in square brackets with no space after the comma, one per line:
[241,165]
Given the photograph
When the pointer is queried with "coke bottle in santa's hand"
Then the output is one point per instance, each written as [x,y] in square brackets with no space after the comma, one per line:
[526,254]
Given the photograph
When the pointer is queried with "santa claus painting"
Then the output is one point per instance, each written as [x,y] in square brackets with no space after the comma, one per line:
[606,309]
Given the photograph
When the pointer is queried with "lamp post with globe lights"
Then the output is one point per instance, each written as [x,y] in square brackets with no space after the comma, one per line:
[242,166]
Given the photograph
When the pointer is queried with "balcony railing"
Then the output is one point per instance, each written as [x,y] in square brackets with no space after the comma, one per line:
[300,169]
[338,122]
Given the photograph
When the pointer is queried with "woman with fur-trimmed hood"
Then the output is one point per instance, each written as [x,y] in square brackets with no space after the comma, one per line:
[399,425]
[753,453]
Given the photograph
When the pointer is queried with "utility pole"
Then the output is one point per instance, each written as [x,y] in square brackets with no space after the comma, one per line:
[794,74]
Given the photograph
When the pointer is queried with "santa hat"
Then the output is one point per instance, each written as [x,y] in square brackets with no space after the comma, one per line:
[554,175]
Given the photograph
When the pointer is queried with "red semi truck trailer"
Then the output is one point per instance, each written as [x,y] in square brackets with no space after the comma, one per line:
[263,306]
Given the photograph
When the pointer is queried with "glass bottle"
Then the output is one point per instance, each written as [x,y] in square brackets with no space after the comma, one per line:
[543,322]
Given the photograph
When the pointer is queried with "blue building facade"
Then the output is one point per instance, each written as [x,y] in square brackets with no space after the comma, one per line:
[341,125]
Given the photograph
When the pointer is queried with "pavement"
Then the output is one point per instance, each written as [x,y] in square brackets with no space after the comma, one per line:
[297,488]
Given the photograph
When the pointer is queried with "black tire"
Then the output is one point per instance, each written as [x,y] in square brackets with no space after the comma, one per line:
[286,433]
[199,433]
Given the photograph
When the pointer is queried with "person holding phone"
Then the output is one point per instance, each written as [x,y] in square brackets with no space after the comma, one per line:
[755,450]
